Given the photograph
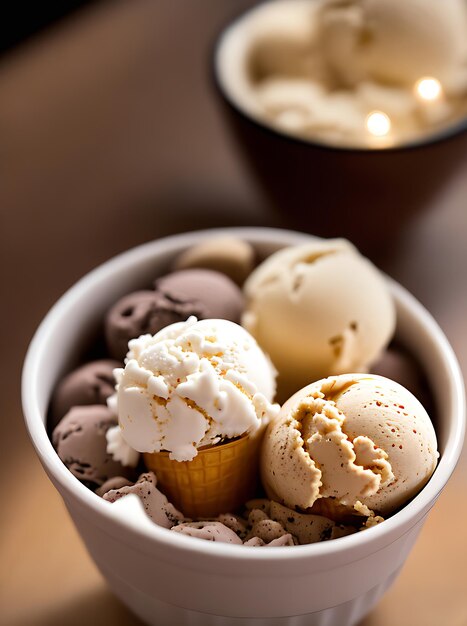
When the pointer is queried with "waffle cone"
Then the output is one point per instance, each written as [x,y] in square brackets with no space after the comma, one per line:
[219,479]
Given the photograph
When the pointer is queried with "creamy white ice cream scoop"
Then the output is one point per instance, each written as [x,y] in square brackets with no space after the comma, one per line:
[360,439]
[191,385]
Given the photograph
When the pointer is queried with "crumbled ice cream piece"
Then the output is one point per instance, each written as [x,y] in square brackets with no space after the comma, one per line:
[360,439]
[155,503]
[257,515]
[193,384]
[267,530]
[254,542]
[208,530]
[204,293]
[372,519]
[263,504]
[92,383]
[118,448]
[393,41]
[270,521]
[283,540]
[303,527]
[234,522]
[306,528]
[117,482]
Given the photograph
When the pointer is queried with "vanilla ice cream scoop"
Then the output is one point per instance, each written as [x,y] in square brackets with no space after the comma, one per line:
[360,439]
[318,309]
[393,41]
[191,385]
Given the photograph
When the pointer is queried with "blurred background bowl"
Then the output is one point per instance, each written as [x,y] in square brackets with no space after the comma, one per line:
[365,194]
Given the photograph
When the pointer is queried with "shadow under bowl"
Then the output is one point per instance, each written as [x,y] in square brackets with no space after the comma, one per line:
[367,195]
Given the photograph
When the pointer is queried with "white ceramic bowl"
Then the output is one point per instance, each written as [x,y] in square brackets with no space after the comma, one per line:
[166,578]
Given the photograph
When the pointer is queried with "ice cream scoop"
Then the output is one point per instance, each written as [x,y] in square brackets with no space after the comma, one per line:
[213,292]
[80,441]
[233,257]
[269,534]
[91,383]
[362,441]
[200,292]
[393,41]
[195,398]
[191,385]
[305,527]
[318,309]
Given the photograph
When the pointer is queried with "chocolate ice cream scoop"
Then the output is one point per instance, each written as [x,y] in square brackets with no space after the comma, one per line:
[91,383]
[177,296]
[141,313]
[156,505]
[115,483]
[81,444]
[210,292]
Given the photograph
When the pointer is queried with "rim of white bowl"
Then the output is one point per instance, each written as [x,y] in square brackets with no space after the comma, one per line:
[36,424]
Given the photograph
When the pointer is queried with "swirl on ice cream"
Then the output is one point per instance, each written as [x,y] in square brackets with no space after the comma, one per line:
[318,309]
[316,69]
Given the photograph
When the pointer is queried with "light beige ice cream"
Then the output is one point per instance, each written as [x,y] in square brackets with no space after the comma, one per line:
[191,385]
[318,309]
[361,440]
[233,257]
[318,68]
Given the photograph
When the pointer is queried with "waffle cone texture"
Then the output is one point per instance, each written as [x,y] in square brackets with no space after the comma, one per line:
[220,479]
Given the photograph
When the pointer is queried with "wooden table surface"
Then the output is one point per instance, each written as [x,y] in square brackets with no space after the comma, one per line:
[110,135]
